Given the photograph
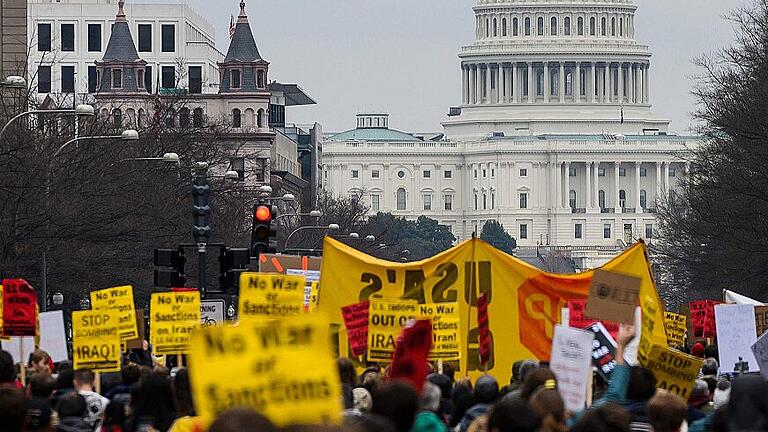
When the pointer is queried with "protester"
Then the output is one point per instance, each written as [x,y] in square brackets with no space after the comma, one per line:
[486,393]
[8,371]
[514,389]
[114,417]
[748,405]
[445,384]
[722,394]
[462,399]
[187,420]
[429,403]
[12,409]
[512,415]
[697,350]
[667,413]
[152,405]
[709,373]
[547,403]
[72,410]
[84,380]
[535,379]
[64,382]
[39,415]
[698,401]
[39,361]
[641,388]
[129,375]
[41,385]
[240,420]
[608,417]
[398,402]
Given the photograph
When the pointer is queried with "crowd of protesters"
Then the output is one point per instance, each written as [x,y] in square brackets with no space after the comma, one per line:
[145,397]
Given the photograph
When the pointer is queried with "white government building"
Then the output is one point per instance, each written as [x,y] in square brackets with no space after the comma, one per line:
[554,137]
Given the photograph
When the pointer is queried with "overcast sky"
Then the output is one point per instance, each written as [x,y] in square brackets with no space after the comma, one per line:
[400,56]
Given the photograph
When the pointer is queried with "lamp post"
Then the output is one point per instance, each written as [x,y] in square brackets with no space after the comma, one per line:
[80,111]
[330,227]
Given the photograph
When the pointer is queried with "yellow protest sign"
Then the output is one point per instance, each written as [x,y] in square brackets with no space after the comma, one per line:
[172,319]
[446,334]
[121,299]
[96,340]
[270,295]
[312,297]
[675,371]
[524,302]
[283,369]
[677,326]
[385,319]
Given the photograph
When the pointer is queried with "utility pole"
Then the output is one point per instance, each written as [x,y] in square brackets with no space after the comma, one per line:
[201,229]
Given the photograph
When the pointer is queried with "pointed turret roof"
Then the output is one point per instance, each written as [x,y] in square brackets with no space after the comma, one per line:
[121,47]
[243,47]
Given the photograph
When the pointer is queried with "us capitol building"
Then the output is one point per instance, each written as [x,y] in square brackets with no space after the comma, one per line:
[554,137]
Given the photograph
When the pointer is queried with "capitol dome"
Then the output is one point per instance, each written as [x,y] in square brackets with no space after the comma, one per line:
[554,67]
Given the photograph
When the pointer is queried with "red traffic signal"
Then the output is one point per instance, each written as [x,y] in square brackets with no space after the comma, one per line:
[263,214]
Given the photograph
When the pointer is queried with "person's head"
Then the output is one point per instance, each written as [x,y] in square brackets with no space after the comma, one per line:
[605,418]
[7,367]
[512,415]
[38,415]
[700,393]
[709,367]
[642,384]
[549,406]
[130,374]
[241,419]
[667,412]
[182,393]
[72,405]
[39,361]
[84,379]
[526,367]
[65,379]
[443,383]
[397,401]
[515,372]
[114,414]
[41,385]
[721,394]
[373,423]
[12,409]
[347,371]
[154,399]
[711,351]
[370,379]
[449,371]
[748,404]
[361,399]
[535,379]
[486,390]
[430,397]
[698,350]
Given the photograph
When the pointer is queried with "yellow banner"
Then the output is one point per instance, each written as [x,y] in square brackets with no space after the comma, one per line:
[121,299]
[524,302]
[96,340]
[385,319]
[677,326]
[270,295]
[173,318]
[282,368]
[675,371]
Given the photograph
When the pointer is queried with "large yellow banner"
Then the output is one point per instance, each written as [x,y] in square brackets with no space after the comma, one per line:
[523,302]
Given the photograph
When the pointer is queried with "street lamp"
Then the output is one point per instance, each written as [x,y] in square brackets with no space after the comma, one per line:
[15,82]
[330,227]
[83,110]
[127,135]
[58,299]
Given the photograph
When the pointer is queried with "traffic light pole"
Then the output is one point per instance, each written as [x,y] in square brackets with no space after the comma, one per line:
[201,228]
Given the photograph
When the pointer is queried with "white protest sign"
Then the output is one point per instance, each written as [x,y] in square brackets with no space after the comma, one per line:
[52,337]
[630,351]
[734,297]
[735,335]
[571,363]
[760,350]
[14,347]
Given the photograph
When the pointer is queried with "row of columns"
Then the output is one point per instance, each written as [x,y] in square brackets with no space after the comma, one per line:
[604,82]
[486,27]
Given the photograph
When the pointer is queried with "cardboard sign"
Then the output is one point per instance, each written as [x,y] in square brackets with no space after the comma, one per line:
[571,363]
[283,369]
[735,336]
[603,351]
[121,299]
[703,319]
[19,308]
[172,320]
[613,297]
[356,323]
[53,339]
[138,343]
[677,327]
[577,319]
[675,371]
[276,263]
[760,351]
[385,319]
[270,295]
[761,320]
[96,340]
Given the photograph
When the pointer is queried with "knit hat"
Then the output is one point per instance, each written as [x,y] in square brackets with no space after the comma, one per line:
[698,350]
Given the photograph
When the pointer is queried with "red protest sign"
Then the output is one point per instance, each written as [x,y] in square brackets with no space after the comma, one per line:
[356,322]
[577,319]
[703,318]
[19,308]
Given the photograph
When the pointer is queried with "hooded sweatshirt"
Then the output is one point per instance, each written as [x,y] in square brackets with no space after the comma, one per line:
[73,424]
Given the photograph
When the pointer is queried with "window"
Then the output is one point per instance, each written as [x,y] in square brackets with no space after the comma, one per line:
[355,174]
[495,28]
[672,172]
[622,198]
[170,118]
[475,200]
[117,117]
[643,199]
[148,78]
[237,118]
[503,26]
[601,199]
[515,31]
[447,174]
[613,26]
[621,27]
[601,172]
[493,172]
[523,172]
[68,37]
[603,27]
[168,79]
[485,172]
[44,79]
[592,26]
[427,202]
[540,83]
[572,199]
[238,165]
[117,78]
[375,174]
[235,78]
[67,79]
[197,118]
[527,26]
[400,174]
[475,173]
[524,200]
[578,231]
[93,79]
[427,174]
[580,26]
[540,26]
[567,26]
[554,79]
[260,118]
[553,26]
[643,172]
[145,37]
[571,172]
[622,172]
[607,231]
[493,200]
[169,38]
[523,231]
[401,199]
[43,37]
[184,118]
[376,202]
[485,201]
[195,79]
[648,231]
[448,202]
[94,37]
[260,79]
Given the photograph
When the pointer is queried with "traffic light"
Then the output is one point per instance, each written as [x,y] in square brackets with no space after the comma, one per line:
[264,232]
[173,261]
[232,262]
[201,228]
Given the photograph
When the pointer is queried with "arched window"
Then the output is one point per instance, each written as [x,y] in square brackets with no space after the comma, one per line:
[237,120]
[613,26]
[401,199]
[567,26]
[260,118]
[554,82]
[527,26]
[495,27]
[592,26]
[117,117]
[197,118]
[572,199]
[601,199]
[540,26]
[621,27]
[503,26]
[487,27]
[184,118]
[540,83]
[603,31]
[485,201]
[569,83]
[643,199]
[131,113]
[580,26]
[260,79]
[515,29]
[622,198]
[142,118]
[475,200]
[250,118]
[553,26]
